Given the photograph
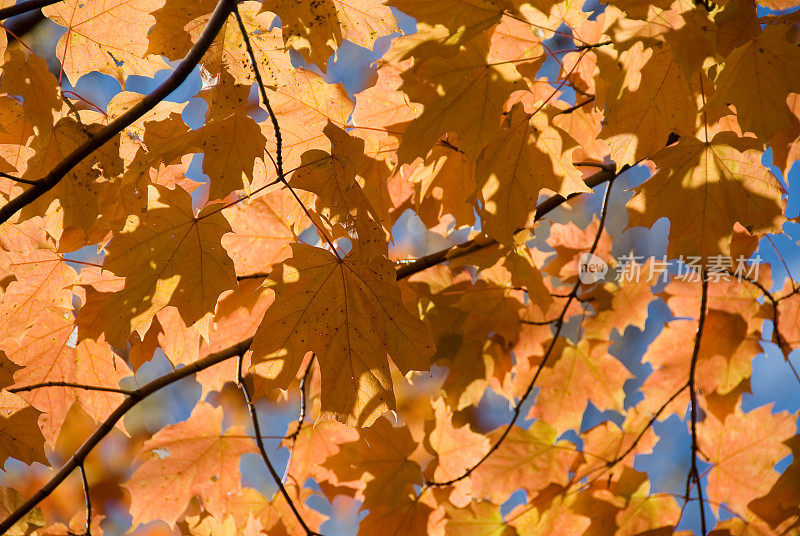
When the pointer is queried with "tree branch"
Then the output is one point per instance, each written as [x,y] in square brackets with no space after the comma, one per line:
[49,181]
[302,417]
[87,500]
[108,424]
[559,323]
[25,7]
[276,127]
[251,407]
[25,388]
[481,242]
[694,474]
[16,179]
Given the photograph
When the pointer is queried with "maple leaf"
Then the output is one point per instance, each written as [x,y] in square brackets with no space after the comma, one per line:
[458,449]
[262,231]
[305,106]
[317,28]
[477,519]
[332,177]
[788,328]
[50,352]
[647,105]
[90,42]
[622,307]
[186,459]
[517,163]
[168,256]
[582,374]
[43,283]
[10,500]
[550,512]
[757,78]
[704,189]
[448,89]
[228,54]
[528,459]
[382,452]
[20,436]
[348,312]
[744,448]
[464,19]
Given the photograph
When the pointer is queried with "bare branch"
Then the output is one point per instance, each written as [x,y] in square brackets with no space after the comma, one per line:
[276,127]
[16,179]
[577,106]
[251,407]
[302,416]
[32,387]
[694,474]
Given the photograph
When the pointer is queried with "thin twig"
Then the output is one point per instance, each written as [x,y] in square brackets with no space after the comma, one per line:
[576,106]
[49,181]
[87,500]
[276,128]
[593,45]
[559,323]
[16,179]
[256,275]
[537,322]
[653,419]
[25,388]
[251,407]
[108,424]
[302,416]
[694,475]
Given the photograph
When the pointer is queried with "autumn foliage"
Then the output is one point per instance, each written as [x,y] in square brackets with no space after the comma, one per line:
[181,270]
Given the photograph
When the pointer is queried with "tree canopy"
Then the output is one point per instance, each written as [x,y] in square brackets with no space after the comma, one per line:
[519,278]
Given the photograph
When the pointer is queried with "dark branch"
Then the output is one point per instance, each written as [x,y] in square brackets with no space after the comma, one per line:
[16,179]
[257,275]
[251,407]
[653,419]
[481,242]
[302,417]
[25,388]
[694,474]
[559,323]
[108,424]
[49,181]
[577,106]
[87,500]
[277,128]
[593,45]
[25,7]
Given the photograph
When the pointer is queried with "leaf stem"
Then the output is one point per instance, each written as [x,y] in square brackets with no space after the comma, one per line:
[87,500]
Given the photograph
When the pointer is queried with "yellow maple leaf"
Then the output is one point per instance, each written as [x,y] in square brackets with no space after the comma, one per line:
[348,311]
[168,256]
